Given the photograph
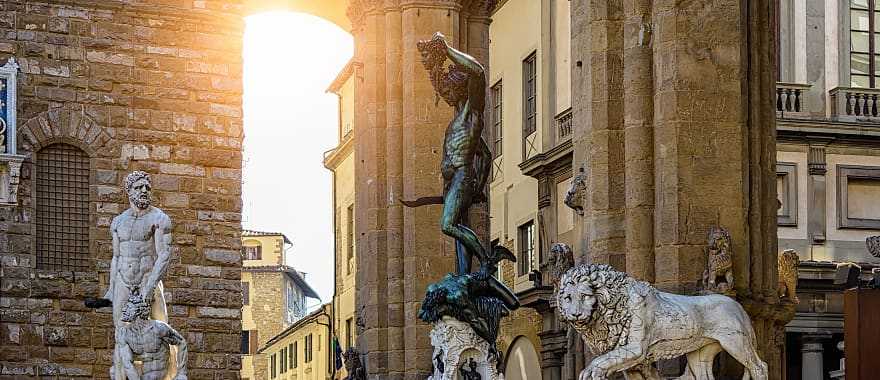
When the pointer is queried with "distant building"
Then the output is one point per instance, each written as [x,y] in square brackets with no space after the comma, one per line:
[273,297]
[341,162]
[530,127]
[302,351]
[828,164]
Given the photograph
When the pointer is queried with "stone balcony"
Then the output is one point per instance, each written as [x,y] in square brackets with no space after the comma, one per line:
[790,100]
[563,123]
[855,104]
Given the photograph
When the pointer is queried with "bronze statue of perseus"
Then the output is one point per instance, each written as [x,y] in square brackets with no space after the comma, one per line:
[467,159]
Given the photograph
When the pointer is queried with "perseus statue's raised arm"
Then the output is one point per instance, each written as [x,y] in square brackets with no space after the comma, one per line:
[460,58]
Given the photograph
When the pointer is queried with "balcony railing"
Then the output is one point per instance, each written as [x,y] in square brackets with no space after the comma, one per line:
[790,99]
[563,125]
[849,103]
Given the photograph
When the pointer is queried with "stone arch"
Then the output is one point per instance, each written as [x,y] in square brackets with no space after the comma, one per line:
[334,11]
[60,125]
[522,361]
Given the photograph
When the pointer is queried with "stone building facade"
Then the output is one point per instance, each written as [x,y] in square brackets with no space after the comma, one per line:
[274,297]
[105,88]
[530,92]
[341,161]
[827,165]
[302,351]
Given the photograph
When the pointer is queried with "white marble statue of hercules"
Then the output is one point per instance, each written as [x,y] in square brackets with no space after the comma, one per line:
[141,253]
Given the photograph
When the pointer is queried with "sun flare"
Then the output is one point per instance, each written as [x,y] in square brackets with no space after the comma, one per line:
[289,121]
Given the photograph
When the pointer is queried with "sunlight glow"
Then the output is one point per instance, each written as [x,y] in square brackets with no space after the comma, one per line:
[289,121]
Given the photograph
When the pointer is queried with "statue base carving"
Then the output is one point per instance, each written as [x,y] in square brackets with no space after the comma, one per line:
[455,346]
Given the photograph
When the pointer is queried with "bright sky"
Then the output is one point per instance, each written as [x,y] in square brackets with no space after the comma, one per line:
[289,122]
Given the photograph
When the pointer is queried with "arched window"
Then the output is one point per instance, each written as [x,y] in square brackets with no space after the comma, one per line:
[62,208]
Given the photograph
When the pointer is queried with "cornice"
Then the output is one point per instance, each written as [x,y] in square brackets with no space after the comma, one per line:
[552,160]
[837,132]
[333,159]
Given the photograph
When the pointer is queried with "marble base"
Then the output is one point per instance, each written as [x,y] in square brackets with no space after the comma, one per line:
[455,343]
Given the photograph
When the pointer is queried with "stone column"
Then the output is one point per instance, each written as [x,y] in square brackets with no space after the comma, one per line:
[811,358]
[638,88]
[398,147]
[708,112]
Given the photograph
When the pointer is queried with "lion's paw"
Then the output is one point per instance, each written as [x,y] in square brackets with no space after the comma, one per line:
[594,372]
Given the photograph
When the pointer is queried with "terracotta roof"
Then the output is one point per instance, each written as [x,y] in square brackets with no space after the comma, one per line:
[291,272]
[253,233]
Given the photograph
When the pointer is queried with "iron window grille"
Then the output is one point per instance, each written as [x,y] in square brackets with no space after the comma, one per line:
[62,208]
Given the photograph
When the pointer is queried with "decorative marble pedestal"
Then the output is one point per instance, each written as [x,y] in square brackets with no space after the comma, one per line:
[455,343]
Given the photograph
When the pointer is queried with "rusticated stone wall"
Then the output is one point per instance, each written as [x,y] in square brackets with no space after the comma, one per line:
[146,85]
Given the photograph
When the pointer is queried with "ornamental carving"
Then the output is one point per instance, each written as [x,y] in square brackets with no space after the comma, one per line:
[576,196]
[455,344]
[873,244]
[788,275]
[718,277]
[560,260]
[610,310]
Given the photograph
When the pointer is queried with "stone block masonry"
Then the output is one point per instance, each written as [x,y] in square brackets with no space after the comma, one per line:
[149,85]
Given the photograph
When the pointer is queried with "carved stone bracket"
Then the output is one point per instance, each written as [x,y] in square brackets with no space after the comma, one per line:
[455,342]
[10,171]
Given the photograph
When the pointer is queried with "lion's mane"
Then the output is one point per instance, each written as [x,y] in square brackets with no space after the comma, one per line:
[608,325]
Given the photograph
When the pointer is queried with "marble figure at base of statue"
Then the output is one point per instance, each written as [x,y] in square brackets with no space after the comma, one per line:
[456,348]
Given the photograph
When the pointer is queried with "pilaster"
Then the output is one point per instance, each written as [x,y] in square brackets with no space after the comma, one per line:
[816,191]
[398,149]
[690,148]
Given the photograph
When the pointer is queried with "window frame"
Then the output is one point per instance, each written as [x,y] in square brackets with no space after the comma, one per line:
[245,342]
[349,235]
[788,213]
[529,99]
[283,360]
[525,254]
[873,51]
[349,336]
[497,91]
[290,355]
[295,354]
[248,255]
[307,349]
[844,173]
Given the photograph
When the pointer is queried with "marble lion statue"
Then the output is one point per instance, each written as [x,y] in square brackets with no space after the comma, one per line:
[629,324]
